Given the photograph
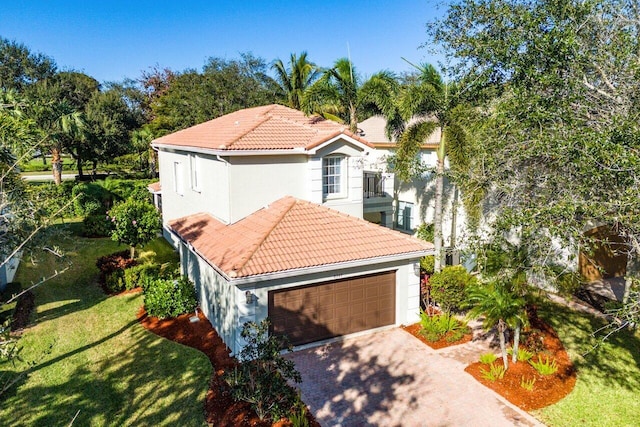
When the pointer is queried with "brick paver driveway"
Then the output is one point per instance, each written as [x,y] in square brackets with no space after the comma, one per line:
[390,378]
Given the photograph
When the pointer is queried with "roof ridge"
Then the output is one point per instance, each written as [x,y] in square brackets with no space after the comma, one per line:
[259,243]
[265,116]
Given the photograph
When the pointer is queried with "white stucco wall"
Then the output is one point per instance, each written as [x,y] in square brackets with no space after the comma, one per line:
[212,194]
[256,181]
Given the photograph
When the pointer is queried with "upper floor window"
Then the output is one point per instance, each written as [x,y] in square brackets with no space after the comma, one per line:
[178,178]
[405,216]
[194,163]
[333,176]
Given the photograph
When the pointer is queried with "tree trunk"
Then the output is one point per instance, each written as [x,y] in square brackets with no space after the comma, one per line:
[79,164]
[153,163]
[437,215]
[516,343]
[94,169]
[503,347]
[56,165]
[132,252]
[353,119]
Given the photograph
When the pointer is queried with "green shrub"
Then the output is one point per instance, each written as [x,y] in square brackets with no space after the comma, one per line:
[524,355]
[114,281]
[527,384]
[425,232]
[449,287]
[261,377]
[548,367]
[91,199]
[427,263]
[436,327]
[141,276]
[488,358]
[165,298]
[495,372]
[97,225]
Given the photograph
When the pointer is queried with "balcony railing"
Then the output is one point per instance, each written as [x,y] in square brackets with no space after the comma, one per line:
[373,185]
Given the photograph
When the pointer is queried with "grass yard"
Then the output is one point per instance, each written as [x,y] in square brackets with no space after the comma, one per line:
[608,385]
[93,359]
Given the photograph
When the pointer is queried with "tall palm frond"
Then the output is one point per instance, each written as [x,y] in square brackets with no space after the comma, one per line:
[293,80]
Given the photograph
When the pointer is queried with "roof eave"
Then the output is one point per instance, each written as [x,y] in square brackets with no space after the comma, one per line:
[245,280]
[226,152]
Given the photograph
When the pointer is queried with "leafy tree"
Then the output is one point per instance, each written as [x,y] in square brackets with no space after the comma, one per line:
[292,81]
[500,307]
[136,222]
[19,67]
[564,124]
[224,86]
[339,94]
[109,126]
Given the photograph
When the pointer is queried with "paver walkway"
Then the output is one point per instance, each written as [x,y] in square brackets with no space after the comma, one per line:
[390,378]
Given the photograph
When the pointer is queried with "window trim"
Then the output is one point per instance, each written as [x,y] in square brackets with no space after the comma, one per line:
[342,163]
[194,168]
[178,178]
[407,221]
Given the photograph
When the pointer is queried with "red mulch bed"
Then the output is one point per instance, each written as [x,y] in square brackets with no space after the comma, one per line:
[441,343]
[219,408]
[547,389]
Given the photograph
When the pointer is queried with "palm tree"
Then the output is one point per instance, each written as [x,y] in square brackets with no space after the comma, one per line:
[339,95]
[500,306]
[428,104]
[293,81]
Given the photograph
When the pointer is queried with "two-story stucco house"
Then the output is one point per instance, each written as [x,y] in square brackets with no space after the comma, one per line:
[265,206]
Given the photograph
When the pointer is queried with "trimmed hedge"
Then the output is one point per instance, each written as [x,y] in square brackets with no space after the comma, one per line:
[165,298]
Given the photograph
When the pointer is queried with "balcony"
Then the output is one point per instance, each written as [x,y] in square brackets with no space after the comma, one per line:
[373,185]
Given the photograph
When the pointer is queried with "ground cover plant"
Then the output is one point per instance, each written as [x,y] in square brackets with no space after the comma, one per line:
[93,358]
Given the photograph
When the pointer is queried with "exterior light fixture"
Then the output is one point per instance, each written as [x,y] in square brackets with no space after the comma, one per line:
[249,297]
[416,268]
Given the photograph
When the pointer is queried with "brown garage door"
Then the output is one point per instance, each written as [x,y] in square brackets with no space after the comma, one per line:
[316,312]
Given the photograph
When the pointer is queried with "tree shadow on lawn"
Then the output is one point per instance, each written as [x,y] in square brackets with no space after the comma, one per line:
[615,361]
[152,382]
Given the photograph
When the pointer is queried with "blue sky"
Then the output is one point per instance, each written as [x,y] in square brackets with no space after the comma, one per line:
[111,40]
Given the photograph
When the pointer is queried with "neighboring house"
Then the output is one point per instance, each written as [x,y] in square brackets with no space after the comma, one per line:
[414,201]
[265,206]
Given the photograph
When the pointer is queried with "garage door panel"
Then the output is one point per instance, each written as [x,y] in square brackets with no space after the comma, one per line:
[316,312]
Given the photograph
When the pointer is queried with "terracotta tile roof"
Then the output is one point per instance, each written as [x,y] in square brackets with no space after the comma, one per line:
[291,234]
[271,127]
[373,129]
[154,187]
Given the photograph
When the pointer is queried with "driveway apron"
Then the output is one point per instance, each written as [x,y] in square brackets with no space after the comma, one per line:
[390,378]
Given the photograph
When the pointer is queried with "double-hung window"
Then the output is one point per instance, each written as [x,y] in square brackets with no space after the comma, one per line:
[333,177]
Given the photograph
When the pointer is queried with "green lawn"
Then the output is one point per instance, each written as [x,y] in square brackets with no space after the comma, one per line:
[607,392]
[93,359]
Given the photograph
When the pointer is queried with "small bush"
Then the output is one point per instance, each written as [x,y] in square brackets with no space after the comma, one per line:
[96,226]
[165,298]
[91,199]
[114,282]
[524,355]
[488,358]
[527,384]
[545,368]
[141,276]
[495,372]
[427,263]
[261,378]
[108,264]
[449,287]
[436,327]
